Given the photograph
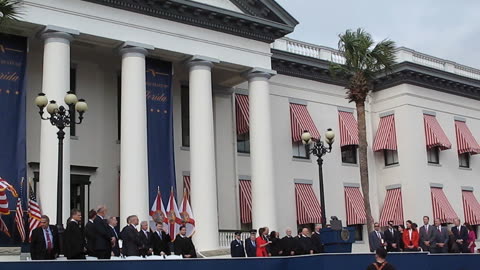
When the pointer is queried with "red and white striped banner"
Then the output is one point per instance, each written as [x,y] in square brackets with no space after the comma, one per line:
[300,121]
[442,209]
[242,113]
[392,208]
[308,207]
[354,206]
[386,137]
[245,201]
[466,143]
[34,212]
[186,183]
[434,134]
[4,210]
[348,129]
[20,223]
[471,208]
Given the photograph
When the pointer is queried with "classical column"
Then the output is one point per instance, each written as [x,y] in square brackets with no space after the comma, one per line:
[55,85]
[133,145]
[202,154]
[261,150]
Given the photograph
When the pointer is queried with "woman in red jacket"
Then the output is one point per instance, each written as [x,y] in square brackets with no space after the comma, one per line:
[262,243]
[410,237]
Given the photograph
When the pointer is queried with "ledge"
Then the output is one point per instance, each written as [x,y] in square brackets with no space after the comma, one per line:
[349,164]
[434,165]
[185,148]
[74,138]
[307,160]
[242,154]
[465,169]
[391,166]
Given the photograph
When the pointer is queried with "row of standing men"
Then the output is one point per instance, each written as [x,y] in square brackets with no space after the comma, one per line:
[102,240]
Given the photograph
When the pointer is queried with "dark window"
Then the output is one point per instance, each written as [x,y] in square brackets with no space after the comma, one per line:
[185,100]
[246,227]
[464,160]
[358,232]
[300,150]
[391,157]
[243,143]
[73,88]
[349,154]
[433,155]
[119,106]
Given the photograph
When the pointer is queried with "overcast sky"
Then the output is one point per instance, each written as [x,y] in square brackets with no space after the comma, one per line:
[449,29]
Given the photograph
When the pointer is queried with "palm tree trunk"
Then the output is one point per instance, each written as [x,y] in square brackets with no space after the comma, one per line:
[362,153]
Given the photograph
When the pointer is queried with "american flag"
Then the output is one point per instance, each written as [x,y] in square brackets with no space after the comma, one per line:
[3,227]
[19,221]
[4,186]
[34,212]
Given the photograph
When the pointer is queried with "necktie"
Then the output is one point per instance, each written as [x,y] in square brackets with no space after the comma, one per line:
[426,229]
[49,240]
[253,243]
[146,235]
[378,234]
[160,235]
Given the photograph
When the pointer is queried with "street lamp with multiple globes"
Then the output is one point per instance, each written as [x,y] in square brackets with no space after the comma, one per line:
[319,149]
[61,117]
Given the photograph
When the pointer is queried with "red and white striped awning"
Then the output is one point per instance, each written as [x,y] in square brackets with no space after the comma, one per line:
[186,183]
[392,208]
[245,201]
[386,137]
[466,143]
[441,207]
[242,113]
[354,206]
[308,207]
[434,135]
[300,121]
[471,208]
[348,129]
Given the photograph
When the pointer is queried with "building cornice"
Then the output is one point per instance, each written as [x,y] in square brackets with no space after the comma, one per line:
[403,73]
[257,26]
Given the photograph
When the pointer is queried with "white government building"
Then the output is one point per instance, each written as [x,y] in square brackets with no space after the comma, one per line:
[242,85]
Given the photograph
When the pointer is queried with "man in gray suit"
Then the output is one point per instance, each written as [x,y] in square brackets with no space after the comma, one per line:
[440,241]
[427,234]
[376,238]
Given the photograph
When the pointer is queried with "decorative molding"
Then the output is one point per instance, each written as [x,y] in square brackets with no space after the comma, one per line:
[303,181]
[354,185]
[429,113]
[383,114]
[460,119]
[298,101]
[345,109]
[259,28]
[466,188]
[245,177]
[186,173]
[393,186]
[436,185]
[266,9]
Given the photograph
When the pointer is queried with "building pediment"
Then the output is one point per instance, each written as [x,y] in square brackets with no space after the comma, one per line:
[262,20]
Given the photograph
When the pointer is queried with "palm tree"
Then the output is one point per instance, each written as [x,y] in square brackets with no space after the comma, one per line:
[363,62]
[9,10]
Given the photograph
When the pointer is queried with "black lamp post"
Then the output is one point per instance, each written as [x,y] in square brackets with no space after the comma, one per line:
[61,118]
[319,149]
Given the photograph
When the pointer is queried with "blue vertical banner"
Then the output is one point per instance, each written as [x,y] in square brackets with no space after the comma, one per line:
[13,59]
[161,161]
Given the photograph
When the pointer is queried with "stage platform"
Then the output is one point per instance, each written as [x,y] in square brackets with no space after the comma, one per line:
[402,261]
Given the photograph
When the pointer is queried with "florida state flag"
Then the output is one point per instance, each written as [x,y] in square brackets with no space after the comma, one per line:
[186,214]
[157,212]
[173,217]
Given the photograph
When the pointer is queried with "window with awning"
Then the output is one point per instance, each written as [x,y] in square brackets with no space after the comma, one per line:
[245,201]
[442,209]
[434,134]
[300,120]
[392,208]
[308,207]
[242,114]
[466,143]
[386,137]
[348,128]
[471,207]
[354,206]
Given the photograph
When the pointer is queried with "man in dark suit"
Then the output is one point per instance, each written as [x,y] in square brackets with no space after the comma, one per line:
[236,246]
[289,243]
[144,238]
[90,233]
[440,241]
[45,243]
[74,240]
[376,238]
[251,245]
[160,241]
[305,244]
[129,237]
[317,240]
[112,223]
[103,239]
[184,245]
[460,235]
[426,234]
[392,238]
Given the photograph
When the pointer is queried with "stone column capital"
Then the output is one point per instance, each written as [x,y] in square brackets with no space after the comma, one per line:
[255,73]
[203,61]
[135,47]
[53,31]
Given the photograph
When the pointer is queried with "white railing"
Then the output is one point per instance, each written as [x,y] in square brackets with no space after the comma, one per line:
[226,237]
[403,55]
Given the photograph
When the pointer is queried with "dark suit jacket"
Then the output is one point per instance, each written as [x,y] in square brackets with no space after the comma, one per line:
[236,248]
[145,242]
[102,235]
[74,241]
[159,245]
[184,246]
[38,248]
[250,248]
[305,244]
[289,244]
[317,243]
[426,236]
[461,235]
[131,244]
[390,239]
[374,241]
[90,237]
[115,248]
